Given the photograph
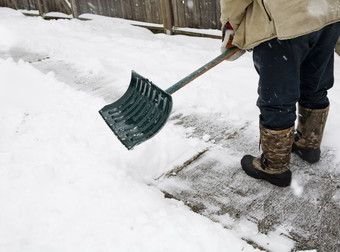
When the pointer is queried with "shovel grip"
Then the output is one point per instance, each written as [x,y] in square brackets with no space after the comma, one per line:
[186,80]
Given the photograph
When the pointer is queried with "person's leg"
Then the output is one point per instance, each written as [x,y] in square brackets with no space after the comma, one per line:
[317,77]
[278,65]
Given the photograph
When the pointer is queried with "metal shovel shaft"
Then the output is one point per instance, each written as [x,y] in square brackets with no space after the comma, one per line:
[186,80]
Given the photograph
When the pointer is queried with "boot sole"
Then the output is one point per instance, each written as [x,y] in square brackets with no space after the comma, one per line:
[281,180]
[309,155]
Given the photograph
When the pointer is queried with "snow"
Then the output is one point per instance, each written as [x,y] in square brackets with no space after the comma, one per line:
[66,183]
[307,250]
[190,4]
[297,188]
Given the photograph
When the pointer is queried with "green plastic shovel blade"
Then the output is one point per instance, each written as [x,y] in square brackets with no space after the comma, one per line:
[140,113]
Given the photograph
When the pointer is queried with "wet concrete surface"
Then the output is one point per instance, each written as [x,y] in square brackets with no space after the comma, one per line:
[214,185]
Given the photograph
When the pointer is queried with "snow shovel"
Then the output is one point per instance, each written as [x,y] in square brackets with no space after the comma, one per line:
[144,108]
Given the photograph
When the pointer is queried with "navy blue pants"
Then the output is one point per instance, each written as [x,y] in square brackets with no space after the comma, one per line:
[295,70]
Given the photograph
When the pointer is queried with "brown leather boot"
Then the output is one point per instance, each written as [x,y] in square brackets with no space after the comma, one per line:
[307,141]
[273,164]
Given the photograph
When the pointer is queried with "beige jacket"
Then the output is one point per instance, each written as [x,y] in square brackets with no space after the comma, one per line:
[256,21]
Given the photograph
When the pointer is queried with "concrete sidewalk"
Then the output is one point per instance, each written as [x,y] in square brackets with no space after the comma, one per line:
[214,185]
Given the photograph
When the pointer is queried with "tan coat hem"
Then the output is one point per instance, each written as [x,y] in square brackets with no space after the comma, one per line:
[254,44]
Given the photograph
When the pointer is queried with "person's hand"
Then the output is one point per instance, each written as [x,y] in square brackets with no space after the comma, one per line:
[227,43]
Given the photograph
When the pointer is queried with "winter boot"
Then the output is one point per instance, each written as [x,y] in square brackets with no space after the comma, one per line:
[273,164]
[307,141]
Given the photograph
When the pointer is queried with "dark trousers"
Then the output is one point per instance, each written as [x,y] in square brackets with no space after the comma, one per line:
[295,70]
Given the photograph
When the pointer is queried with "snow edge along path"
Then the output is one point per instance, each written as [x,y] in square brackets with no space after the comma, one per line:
[66,186]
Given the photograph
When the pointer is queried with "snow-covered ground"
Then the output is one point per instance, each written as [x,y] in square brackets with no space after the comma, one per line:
[66,183]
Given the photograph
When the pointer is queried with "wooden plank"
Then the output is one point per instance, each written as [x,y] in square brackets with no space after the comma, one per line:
[177,31]
[136,6]
[131,9]
[65,5]
[189,22]
[167,16]
[110,8]
[55,5]
[195,34]
[46,6]
[100,7]
[205,13]
[27,5]
[180,7]
[5,3]
[15,4]
[31,5]
[143,15]
[122,8]
[93,6]
[41,7]
[180,12]
[183,13]
[107,8]
[156,11]
[148,11]
[195,13]
[117,10]
[175,12]
[74,9]
[82,7]
[218,14]
[213,15]
[127,10]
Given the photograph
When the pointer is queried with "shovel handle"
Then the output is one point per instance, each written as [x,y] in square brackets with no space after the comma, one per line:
[201,70]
